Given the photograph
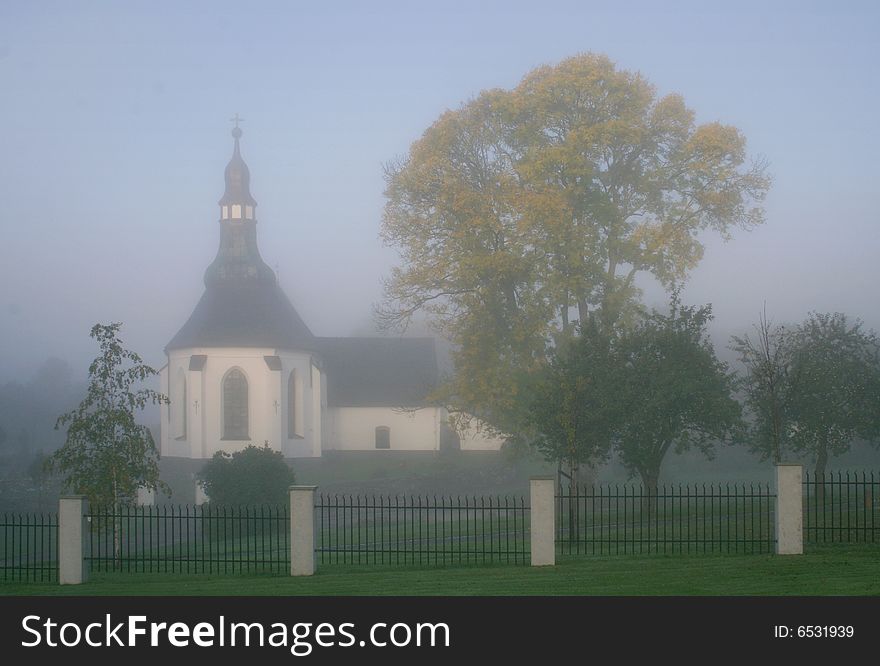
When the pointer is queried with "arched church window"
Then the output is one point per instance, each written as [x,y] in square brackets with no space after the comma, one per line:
[383,437]
[235,405]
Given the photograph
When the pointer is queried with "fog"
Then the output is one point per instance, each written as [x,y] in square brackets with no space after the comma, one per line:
[115,132]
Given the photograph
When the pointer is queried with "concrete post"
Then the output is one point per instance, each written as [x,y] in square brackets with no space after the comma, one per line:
[542,503]
[72,539]
[789,510]
[302,530]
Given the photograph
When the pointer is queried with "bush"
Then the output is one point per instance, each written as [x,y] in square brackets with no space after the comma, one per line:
[254,475]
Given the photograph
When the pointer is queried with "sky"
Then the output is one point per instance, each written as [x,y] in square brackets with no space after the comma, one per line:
[114,133]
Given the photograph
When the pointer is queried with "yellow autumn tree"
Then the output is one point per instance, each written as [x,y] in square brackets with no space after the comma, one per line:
[526,210]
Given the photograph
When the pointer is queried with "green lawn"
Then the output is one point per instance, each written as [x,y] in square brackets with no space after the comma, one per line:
[828,571]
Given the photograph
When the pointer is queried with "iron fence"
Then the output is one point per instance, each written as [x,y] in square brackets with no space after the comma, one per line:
[609,520]
[184,539]
[379,530]
[841,508]
[421,530]
[30,547]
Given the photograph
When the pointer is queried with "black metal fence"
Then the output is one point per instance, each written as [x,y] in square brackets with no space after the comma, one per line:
[185,539]
[421,530]
[842,508]
[30,546]
[609,520]
[353,530]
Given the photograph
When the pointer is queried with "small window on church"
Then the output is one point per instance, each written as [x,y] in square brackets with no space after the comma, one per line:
[249,212]
[236,211]
[225,214]
[235,405]
[383,437]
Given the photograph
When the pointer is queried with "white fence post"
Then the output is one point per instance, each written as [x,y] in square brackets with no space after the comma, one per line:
[302,530]
[542,506]
[72,542]
[789,510]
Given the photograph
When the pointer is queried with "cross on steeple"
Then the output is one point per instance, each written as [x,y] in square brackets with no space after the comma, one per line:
[236,120]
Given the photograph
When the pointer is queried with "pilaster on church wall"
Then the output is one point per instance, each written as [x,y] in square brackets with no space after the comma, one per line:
[315,397]
[163,412]
[327,439]
[271,410]
[298,447]
[171,443]
[195,412]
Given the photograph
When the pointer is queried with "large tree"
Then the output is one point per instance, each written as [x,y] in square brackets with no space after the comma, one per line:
[525,210]
[834,397]
[107,455]
[676,393]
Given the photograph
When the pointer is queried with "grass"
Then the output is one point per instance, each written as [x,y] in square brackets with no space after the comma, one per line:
[839,570]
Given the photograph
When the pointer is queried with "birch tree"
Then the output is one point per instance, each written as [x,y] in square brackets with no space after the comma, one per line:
[107,455]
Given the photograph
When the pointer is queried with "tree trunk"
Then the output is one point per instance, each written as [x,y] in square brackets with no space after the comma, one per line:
[117,564]
[583,310]
[650,477]
[573,493]
[568,515]
[821,460]
[777,427]
[566,324]
[510,300]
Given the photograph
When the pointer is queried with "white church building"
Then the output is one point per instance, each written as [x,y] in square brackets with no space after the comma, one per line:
[245,368]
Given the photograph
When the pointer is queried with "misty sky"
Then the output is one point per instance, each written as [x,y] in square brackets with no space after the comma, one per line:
[114,132]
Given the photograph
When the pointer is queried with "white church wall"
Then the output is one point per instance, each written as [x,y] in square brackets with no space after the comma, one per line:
[178,407]
[316,409]
[267,403]
[354,428]
[317,427]
[170,445]
[305,440]
[197,416]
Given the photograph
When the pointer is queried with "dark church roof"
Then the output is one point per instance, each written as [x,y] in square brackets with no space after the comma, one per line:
[242,306]
[378,372]
[258,315]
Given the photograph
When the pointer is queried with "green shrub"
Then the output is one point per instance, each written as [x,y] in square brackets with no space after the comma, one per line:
[254,475]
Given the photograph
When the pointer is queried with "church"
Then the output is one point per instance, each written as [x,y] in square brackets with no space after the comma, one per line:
[246,369]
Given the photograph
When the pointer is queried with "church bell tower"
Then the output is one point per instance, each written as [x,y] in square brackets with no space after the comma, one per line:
[244,368]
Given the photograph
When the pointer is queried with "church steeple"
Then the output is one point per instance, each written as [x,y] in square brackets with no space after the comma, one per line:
[242,306]
[238,260]
[237,202]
